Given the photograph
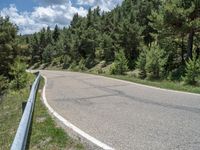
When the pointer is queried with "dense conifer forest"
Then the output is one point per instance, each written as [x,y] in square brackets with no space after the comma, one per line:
[153,39]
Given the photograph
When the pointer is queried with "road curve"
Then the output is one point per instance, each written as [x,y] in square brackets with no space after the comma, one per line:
[124,115]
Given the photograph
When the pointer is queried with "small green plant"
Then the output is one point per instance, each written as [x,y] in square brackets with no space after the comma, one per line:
[81,64]
[156,60]
[73,66]
[120,65]
[66,61]
[99,53]
[140,64]
[176,74]
[192,71]
[19,74]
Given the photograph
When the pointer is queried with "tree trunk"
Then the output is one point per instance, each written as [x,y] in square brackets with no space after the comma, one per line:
[190,44]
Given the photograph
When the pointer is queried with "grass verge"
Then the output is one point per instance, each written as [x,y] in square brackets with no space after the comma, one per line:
[164,84]
[178,86]
[10,115]
[45,134]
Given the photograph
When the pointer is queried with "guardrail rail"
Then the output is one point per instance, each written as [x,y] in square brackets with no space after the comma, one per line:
[21,136]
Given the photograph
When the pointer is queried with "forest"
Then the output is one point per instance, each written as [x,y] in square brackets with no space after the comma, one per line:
[150,39]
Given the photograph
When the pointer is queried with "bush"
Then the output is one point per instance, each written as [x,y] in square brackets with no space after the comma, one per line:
[19,74]
[120,65]
[176,73]
[140,64]
[66,61]
[81,64]
[156,60]
[89,61]
[74,66]
[192,71]
[99,53]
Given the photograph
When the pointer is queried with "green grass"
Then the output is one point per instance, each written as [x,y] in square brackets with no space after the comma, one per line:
[10,115]
[178,86]
[165,84]
[45,134]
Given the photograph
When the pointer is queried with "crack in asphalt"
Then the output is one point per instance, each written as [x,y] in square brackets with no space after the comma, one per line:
[114,92]
[138,99]
[175,125]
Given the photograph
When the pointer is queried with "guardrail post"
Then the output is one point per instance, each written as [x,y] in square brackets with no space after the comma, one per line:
[23,106]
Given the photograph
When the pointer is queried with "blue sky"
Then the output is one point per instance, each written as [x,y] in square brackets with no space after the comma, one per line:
[22,5]
[32,15]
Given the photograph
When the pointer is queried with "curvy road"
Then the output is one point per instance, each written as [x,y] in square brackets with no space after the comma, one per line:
[125,115]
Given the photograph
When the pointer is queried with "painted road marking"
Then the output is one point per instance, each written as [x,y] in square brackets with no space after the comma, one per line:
[70,125]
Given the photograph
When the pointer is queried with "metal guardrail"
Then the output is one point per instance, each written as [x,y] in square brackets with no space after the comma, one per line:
[21,136]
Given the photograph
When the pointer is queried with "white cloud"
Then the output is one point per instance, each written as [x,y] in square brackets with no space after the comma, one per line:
[58,12]
[30,22]
[52,2]
[86,2]
[105,5]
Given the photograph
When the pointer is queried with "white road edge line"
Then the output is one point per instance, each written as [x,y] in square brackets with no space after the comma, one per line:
[143,85]
[70,125]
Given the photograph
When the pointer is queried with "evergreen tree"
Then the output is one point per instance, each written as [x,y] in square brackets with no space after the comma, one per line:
[192,70]
[120,64]
[49,39]
[34,45]
[56,33]
[140,64]
[156,60]
[18,71]
[8,33]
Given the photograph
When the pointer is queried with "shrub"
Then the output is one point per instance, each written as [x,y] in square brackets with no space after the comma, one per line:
[140,64]
[99,53]
[192,71]
[176,73]
[81,64]
[156,60]
[120,64]
[73,66]
[20,76]
[66,61]
[89,61]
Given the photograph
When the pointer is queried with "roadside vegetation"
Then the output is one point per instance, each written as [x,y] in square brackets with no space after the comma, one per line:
[157,39]
[44,135]
[154,41]
[15,88]
[150,42]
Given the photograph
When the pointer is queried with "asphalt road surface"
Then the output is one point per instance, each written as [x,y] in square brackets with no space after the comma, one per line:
[123,115]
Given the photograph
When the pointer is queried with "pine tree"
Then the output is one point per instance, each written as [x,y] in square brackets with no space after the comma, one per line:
[89,17]
[18,71]
[120,64]
[178,17]
[42,43]
[140,64]
[49,39]
[8,33]
[192,70]
[56,33]
[34,45]
[156,59]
